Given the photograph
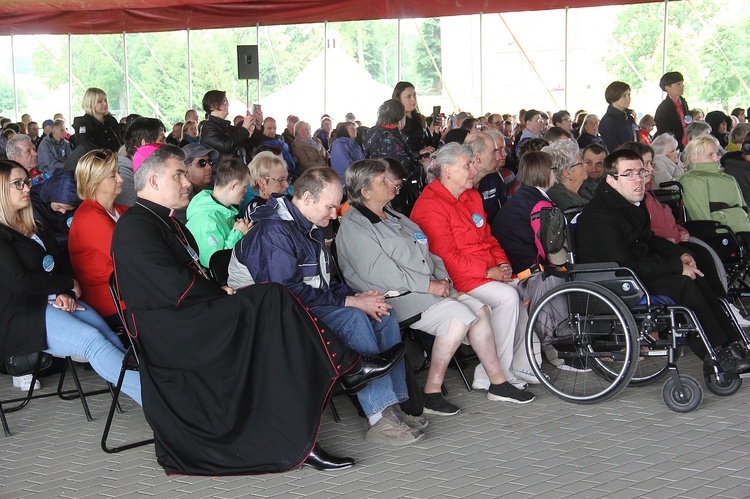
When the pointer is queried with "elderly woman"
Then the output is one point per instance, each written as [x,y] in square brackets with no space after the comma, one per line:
[344,149]
[417,134]
[268,176]
[219,134]
[570,172]
[666,159]
[99,183]
[189,133]
[617,125]
[711,194]
[308,152]
[645,126]
[38,295]
[590,132]
[97,129]
[451,215]
[376,251]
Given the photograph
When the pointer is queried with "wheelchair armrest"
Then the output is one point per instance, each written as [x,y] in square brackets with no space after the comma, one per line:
[698,225]
[671,183]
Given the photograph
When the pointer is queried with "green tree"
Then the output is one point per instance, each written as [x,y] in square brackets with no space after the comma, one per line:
[722,83]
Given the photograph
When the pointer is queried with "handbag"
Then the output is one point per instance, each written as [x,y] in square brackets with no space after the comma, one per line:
[20,365]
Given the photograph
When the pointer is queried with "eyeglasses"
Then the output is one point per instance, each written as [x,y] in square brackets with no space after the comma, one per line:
[201,163]
[576,164]
[224,102]
[21,183]
[632,176]
[553,168]
[279,180]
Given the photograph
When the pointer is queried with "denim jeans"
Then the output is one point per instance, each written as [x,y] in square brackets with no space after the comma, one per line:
[83,333]
[364,335]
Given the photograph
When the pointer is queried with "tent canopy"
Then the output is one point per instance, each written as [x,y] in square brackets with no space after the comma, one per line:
[135,16]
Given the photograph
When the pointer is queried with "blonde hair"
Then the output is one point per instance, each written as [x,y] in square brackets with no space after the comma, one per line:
[696,147]
[8,216]
[92,169]
[89,99]
[186,127]
[262,165]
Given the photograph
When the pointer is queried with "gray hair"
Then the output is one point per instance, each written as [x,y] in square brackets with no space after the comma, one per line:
[663,143]
[696,129]
[478,142]
[359,176]
[262,165]
[301,124]
[12,149]
[447,155]
[154,164]
[739,132]
[563,153]
[314,180]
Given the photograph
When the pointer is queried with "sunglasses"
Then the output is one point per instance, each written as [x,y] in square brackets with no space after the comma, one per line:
[202,163]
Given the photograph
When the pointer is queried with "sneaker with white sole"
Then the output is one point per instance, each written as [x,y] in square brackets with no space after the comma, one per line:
[24,382]
[505,392]
[526,375]
[480,384]
[574,365]
[389,430]
[742,321]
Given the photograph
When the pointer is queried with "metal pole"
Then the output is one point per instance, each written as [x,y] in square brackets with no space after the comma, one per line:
[398,54]
[567,20]
[664,41]
[481,66]
[70,78]
[325,67]
[257,42]
[127,73]
[190,71]
[13,67]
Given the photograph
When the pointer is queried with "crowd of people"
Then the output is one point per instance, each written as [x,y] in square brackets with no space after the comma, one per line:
[437,227]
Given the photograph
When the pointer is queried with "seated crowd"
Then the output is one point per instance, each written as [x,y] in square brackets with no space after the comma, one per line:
[437,229]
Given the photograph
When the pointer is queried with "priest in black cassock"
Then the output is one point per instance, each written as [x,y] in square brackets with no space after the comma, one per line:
[232,383]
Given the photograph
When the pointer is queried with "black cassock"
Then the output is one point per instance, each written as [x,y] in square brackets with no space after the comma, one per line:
[230,384]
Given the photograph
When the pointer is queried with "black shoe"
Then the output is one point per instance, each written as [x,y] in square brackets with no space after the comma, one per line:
[738,350]
[729,361]
[434,403]
[323,461]
[372,367]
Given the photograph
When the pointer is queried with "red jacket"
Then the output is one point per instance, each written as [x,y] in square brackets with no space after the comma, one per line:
[662,221]
[89,247]
[458,233]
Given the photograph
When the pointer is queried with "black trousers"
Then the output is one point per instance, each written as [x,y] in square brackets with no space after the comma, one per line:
[701,299]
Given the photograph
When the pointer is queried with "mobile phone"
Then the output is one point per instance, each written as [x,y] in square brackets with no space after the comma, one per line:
[256,108]
[435,111]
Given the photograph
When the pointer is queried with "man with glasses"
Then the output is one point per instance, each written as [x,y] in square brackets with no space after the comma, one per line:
[615,227]
[198,160]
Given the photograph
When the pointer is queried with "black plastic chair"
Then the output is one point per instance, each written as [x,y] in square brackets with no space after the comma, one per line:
[129,363]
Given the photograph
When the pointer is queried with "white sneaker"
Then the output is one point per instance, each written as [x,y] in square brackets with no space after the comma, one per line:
[526,375]
[24,382]
[480,384]
[521,385]
[738,316]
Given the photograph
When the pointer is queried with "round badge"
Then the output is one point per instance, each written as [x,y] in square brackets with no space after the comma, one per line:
[421,237]
[478,219]
[688,119]
[212,241]
[48,263]
[69,221]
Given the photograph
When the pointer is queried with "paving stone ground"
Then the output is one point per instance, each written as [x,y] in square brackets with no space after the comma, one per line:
[632,446]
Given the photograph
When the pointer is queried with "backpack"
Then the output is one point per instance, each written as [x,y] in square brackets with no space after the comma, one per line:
[549,225]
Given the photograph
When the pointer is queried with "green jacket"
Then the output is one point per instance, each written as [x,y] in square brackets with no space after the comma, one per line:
[714,195]
[211,224]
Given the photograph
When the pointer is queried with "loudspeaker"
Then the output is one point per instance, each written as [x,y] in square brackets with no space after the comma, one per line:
[247,62]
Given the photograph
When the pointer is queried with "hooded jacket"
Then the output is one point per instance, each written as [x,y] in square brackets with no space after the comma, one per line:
[212,225]
[286,248]
[59,188]
[714,195]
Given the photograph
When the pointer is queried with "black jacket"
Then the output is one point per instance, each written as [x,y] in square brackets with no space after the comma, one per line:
[611,229]
[668,120]
[24,288]
[94,134]
[617,127]
[229,140]
[735,165]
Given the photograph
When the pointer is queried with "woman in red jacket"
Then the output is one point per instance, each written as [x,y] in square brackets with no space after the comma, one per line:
[451,214]
[99,183]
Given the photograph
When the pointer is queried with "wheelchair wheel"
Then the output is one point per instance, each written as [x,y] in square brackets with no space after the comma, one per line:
[589,327]
[723,388]
[685,400]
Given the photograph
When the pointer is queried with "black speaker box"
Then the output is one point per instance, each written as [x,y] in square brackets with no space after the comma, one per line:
[247,62]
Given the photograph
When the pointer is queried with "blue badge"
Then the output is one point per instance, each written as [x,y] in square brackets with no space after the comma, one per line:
[478,220]
[421,237]
[687,119]
[48,263]
[69,221]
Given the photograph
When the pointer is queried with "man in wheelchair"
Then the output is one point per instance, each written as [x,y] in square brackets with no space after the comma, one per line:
[615,227]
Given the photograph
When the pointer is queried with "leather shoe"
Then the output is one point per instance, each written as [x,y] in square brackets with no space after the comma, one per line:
[372,367]
[323,461]
[731,361]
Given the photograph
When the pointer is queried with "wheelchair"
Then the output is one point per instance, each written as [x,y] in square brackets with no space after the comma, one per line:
[604,321]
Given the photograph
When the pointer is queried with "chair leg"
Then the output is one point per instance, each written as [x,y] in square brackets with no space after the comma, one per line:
[461,372]
[113,408]
[334,412]
[81,395]
[4,421]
